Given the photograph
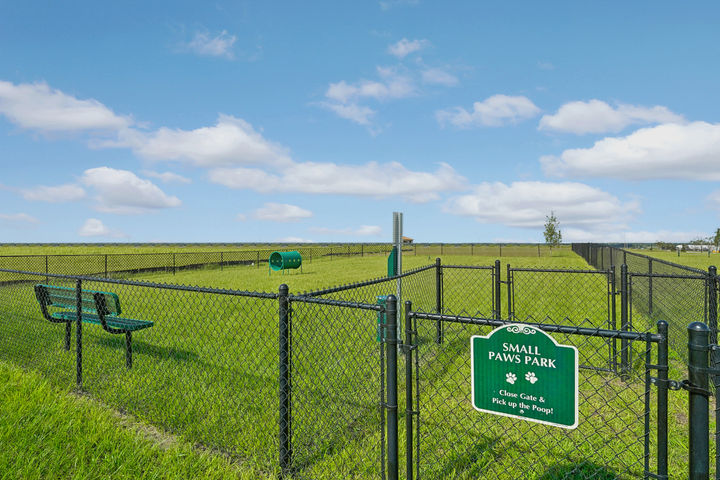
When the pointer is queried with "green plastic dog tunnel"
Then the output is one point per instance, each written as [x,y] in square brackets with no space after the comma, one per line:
[285,260]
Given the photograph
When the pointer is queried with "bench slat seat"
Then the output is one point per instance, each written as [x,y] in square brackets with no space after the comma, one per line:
[127,324]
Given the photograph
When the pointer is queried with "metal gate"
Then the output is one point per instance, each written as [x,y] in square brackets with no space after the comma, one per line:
[447,438]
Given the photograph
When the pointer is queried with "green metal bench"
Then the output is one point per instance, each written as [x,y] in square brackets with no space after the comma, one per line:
[99,308]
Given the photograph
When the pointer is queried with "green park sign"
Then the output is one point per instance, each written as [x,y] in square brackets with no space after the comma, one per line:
[520,371]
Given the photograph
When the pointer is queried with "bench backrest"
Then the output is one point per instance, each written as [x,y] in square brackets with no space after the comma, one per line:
[66,297]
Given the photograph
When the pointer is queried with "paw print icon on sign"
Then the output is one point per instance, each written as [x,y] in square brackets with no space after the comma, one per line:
[510,378]
[530,377]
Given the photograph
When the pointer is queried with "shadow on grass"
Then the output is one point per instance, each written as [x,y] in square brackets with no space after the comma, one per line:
[579,471]
[117,342]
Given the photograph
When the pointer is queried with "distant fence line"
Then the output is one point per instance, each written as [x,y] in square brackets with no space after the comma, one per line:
[110,265]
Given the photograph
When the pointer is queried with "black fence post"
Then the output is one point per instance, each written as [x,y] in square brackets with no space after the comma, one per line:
[285,394]
[106,272]
[392,393]
[698,334]
[78,335]
[47,279]
[409,392]
[221,261]
[714,354]
[613,314]
[173,264]
[439,298]
[662,400]
[624,351]
[510,312]
[650,287]
[258,259]
[497,312]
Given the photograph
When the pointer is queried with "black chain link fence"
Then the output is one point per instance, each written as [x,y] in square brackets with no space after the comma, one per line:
[294,382]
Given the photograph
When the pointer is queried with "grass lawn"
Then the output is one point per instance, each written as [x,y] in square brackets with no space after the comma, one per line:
[207,371]
[48,432]
[699,260]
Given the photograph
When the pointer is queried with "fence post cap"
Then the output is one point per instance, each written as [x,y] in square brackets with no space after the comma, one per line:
[698,327]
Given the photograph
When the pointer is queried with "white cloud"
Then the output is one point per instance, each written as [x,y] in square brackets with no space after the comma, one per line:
[352,111]
[361,231]
[231,141]
[670,151]
[437,76]
[294,240]
[36,106]
[123,192]
[494,111]
[217,46]
[368,180]
[526,205]
[166,177]
[17,218]
[93,228]
[345,98]
[597,116]
[392,85]
[58,194]
[281,212]
[405,47]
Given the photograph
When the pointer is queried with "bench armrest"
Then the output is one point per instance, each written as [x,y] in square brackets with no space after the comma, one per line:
[102,310]
[43,299]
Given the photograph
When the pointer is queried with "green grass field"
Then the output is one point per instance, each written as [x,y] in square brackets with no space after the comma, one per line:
[207,371]
[699,260]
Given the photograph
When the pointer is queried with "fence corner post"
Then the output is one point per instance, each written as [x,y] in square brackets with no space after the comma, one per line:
[391,342]
[698,336]
[439,299]
[285,380]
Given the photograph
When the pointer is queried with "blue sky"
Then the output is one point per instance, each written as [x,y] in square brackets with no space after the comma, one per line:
[314,121]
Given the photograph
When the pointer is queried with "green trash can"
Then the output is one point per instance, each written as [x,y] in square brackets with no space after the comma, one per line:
[284,261]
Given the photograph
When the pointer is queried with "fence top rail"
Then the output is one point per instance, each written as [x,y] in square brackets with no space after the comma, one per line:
[470,267]
[374,281]
[336,303]
[135,283]
[583,331]
[558,270]
[667,275]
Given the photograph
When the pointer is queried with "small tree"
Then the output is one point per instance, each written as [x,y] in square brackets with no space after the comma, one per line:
[553,235]
[716,238]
